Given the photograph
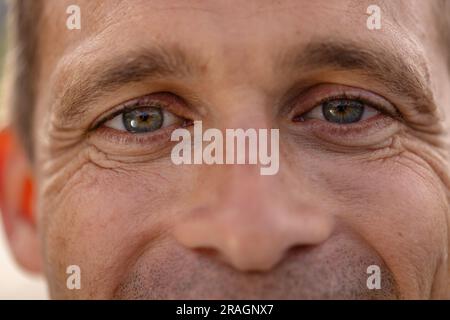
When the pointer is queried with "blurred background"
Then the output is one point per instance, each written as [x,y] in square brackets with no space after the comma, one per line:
[14,283]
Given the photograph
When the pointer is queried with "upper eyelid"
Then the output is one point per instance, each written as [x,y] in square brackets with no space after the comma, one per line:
[344,92]
[128,106]
[103,119]
[126,109]
[363,101]
[358,98]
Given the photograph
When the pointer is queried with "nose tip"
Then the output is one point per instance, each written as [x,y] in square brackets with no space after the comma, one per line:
[253,246]
[246,256]
[245,252]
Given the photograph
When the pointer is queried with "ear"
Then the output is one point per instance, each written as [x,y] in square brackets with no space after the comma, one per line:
[17,203]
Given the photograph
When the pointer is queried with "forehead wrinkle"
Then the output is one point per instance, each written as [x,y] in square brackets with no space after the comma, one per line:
[82,98]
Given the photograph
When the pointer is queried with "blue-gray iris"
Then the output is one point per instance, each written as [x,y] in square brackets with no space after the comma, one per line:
[143,120]
[343,111]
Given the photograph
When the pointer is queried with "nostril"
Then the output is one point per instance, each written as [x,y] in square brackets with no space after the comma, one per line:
[302,249]
[251,241]
[207,252]
[211,254]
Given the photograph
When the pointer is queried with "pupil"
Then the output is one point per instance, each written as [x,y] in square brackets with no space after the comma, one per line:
[143,120]
[343,111]
[341,108]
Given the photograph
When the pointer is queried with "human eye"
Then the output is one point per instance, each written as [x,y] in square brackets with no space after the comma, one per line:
[146,114]
[342,111]
[146,120]
[345,115]
[143,120]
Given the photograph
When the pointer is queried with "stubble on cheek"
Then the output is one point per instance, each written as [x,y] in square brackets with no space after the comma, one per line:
[395,198]
[336,269]
[399,205]
[100,223]
[99,220]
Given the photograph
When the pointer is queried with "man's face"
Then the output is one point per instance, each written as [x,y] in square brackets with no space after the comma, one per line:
[349,194]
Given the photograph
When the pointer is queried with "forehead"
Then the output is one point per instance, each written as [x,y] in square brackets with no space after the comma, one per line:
[238,38]
[228,24]
[223,11]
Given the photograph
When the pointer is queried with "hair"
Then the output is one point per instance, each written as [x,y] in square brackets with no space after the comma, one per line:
[22,67]
[25,15]
[442,10]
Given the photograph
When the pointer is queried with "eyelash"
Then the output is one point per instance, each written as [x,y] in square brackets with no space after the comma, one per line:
[375,129]
[358,98]
[383,111]
[155,100]
[152,100]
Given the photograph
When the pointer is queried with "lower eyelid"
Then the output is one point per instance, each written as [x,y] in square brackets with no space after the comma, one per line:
[126,138]
[362,133]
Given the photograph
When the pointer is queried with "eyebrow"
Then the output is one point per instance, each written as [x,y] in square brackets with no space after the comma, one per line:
[106,76]
[405,76]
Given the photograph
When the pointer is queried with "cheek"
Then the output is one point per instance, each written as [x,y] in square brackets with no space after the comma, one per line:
[399,207]
[103,221]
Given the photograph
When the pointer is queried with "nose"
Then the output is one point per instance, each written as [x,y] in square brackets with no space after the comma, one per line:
[251,221]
